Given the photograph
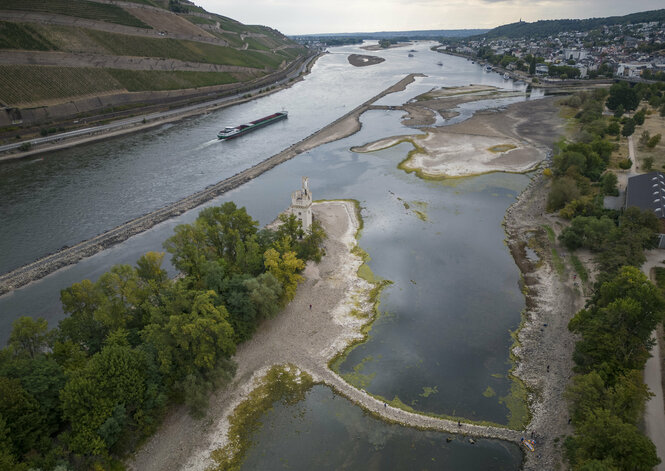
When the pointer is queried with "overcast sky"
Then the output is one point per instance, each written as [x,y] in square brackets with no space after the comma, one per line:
[345,16]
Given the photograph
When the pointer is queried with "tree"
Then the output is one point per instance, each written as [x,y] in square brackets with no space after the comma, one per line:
[604,436]
[639,117]
[29,337]
[563,190]
[105,397]
[628,127]
[80,302]
[621,94]
[608,183]
[285,269]
[24,420]
[265,292]
[192,335]
[613,128]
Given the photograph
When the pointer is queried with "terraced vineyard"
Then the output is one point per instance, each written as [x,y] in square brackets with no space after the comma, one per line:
[91,54]
[78,9]
[32,84]
[23,36]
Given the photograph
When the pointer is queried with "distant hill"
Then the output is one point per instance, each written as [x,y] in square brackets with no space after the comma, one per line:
[546,28]
[66,57]
[419,34]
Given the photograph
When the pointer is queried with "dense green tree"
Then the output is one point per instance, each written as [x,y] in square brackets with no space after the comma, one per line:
[608,183]
[80,302]
[622,94]
[603,436]
[29,337]
[265,292]
[191,335]
[106,397]
[640,116]
[563,191]
[628,127]
[589,232]
[24,420]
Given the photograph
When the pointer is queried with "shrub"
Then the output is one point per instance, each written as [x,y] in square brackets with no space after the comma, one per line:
[25,147]
[647,163]
[653,141]
[563,190]
[613,128]
[625,164]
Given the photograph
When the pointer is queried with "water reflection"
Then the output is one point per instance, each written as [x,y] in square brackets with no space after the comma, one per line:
[325,432]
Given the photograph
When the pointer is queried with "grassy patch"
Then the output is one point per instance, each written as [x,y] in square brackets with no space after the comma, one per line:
[284,384]
[557,261]
[579,268]
[502,148]
[78,9]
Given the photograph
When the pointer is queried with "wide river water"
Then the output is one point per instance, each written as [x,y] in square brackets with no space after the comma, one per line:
[441,343]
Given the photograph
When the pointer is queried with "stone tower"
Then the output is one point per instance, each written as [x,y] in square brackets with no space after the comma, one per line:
[301,205]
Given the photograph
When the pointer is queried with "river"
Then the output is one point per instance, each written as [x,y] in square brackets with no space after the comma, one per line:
[441,343]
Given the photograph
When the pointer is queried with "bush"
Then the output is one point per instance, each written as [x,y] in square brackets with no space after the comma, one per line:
[644,138]
[653,141]
[647,163]
[613,128]
[625,164]
[25,147]
[639,117]
[563,191]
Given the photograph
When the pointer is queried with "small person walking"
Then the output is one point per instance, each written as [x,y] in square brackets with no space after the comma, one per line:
[310,307]
[385,405]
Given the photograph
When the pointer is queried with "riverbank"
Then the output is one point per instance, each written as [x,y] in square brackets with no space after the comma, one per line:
[338,129]
[544,345]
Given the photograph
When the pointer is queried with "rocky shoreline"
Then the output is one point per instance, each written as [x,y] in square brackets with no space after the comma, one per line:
[544,344]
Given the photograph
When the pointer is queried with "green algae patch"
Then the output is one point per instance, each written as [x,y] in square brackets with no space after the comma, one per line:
[500,148]
[427,391]
[357,378]
[283,383]
[489,392]
[516,402]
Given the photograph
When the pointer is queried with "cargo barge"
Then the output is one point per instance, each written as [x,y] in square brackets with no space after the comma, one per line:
[231,132]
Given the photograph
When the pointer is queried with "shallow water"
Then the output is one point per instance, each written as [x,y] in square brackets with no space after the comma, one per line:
[326,432]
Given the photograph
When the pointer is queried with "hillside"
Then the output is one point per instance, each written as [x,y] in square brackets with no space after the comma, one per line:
[65,58]
[544,28]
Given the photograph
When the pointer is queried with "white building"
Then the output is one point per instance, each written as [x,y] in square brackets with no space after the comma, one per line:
[301,205]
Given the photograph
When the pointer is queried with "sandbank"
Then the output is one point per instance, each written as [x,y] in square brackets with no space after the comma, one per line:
[360,60]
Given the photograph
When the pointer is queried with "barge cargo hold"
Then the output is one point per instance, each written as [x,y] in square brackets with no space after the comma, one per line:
[231,132]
